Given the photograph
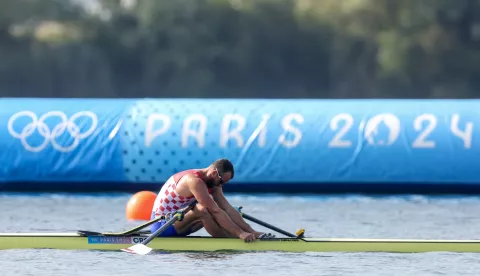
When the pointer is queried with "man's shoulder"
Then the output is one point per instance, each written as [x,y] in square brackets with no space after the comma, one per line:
[188,183]
[191,178]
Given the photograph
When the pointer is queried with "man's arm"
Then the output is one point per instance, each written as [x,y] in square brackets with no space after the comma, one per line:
[200,192]
[231,211]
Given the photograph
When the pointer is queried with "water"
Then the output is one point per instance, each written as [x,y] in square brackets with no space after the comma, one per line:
[345,216]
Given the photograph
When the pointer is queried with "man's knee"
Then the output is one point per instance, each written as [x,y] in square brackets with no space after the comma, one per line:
[202,212]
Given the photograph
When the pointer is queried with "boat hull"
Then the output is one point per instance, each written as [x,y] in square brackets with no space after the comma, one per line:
[76,241]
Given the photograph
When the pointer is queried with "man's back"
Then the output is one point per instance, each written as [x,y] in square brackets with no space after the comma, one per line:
[175,193]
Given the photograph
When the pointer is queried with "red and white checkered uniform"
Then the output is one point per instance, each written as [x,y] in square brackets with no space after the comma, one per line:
[168,201]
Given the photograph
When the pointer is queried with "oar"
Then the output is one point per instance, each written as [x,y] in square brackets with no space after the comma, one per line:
[271,227]
[142,248]
[133,230]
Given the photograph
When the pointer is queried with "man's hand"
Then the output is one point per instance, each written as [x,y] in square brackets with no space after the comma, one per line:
[247,237]
[257,234]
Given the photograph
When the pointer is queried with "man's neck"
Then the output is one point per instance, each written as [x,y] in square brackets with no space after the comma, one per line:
[203,171]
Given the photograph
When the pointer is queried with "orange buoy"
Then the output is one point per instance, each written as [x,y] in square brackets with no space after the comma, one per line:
[139,206]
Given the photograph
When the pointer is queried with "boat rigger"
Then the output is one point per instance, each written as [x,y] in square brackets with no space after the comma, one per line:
[87,240]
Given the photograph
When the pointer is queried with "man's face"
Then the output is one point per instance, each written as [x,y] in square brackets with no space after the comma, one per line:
[215,178]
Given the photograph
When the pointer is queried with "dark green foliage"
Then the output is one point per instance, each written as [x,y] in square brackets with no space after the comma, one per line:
[240,48]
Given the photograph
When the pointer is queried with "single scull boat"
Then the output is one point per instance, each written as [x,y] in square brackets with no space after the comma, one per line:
[89,240]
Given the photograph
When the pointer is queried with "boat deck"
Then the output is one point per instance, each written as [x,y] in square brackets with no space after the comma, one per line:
[98,241]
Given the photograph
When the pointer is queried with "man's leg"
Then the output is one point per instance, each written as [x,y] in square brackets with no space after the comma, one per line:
[197,218]
[169,232]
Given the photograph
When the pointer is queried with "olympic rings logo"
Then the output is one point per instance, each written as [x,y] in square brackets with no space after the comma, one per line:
[51,135]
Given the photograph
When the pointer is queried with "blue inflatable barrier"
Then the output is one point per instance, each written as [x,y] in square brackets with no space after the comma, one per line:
[272,142]
[45,140]
[291,141]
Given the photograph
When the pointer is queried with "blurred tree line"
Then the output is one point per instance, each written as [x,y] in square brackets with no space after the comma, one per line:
[240,48]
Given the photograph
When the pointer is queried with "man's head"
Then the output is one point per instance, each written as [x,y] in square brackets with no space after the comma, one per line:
[219,172]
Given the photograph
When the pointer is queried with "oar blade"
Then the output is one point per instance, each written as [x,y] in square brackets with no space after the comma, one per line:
[139,249]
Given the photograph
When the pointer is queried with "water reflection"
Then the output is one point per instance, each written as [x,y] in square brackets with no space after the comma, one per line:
[203,256]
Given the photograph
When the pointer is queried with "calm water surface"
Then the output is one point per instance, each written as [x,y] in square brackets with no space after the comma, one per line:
[342,216]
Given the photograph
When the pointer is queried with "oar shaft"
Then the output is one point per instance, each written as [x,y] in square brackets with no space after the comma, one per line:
[133,230]
[140,227]
[169,223]
[160,230]
[267,225]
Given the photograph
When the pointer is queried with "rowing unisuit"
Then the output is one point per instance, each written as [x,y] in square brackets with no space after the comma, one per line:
[168,201]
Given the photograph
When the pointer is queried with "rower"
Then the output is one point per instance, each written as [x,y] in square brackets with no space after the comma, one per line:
[212,211]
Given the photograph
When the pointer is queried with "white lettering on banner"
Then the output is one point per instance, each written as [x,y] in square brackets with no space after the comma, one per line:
[420,142]
[466,135]
[379,130]
[198,134]
[288,127]
[337,141]
[260,132]
[51,135]
[225,134]
[262,135]
[372,126]
[150,132]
